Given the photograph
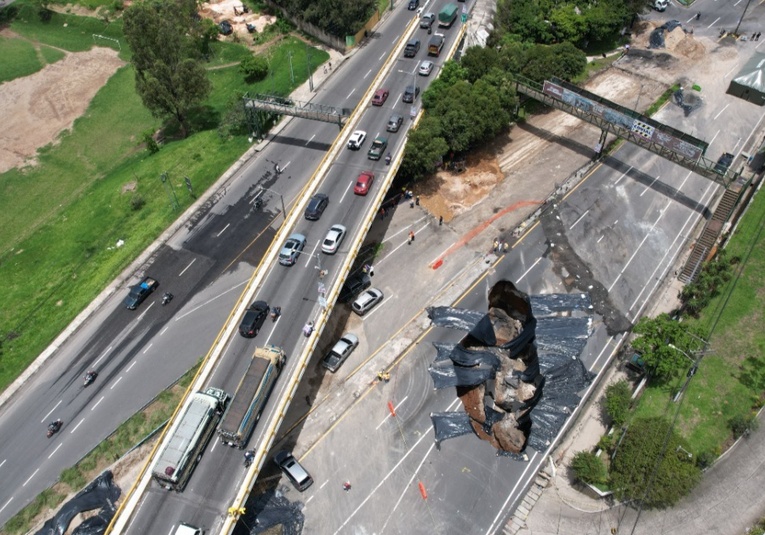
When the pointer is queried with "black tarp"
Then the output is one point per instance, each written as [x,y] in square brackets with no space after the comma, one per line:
[271,509]
[450,424]
[102,493]
[656,39]
[445,374]
[465,357]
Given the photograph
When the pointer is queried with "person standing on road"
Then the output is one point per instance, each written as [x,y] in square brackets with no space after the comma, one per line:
[411,237]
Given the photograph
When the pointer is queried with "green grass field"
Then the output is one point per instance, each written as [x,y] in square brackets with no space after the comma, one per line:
[62,217]
[20,59]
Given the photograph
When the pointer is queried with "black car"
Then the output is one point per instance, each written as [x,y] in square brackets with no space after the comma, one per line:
[410,93]
[724,162]
[316,206]
[253,319]
[413,4]
[225,28]
[354,285]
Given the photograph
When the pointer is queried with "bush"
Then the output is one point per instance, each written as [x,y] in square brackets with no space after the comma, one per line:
[589,468]
[137,201]
[617,402]
[705,459]
[255,69]
[741,424]
[151,144]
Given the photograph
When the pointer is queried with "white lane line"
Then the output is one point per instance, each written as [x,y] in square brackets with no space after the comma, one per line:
[76,426]
[376,308]
[222,231]
[6,504]
[605,346]
[236,287]
[215,443]
[171,530]
[187,267]
[721,112]
[54,451]
[102,355]
[368,73]
[383,55]
[308,500]
[324,484]
[512,492]
[311,255]
[2,463]
[49,412]
[307,142]
[530,268]
[713,138]
[389,415]
[97,402]
[580,218]
[650,186]
[147,348]
[163,331]
[408,483]
[350,185]
[30,477]
[735,68]
[623,175]
[131,366]
[599,239]
[718,18]
[286,165]
[116,383]
[351,93]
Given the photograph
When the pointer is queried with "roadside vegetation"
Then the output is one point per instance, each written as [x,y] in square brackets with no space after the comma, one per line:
[99,184]
[131,433]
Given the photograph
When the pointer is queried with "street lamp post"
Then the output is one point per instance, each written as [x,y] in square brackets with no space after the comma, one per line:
[691,372]
[284,211]
[292,72]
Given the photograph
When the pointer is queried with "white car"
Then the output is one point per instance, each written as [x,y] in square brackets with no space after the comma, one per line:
[368,299]
[357,139]
[425,68]
[333,239]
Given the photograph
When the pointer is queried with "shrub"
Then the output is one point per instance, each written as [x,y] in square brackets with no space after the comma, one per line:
[617,402]
[137,201]
[151,144]
[741,424]
[255,69]
[589,468]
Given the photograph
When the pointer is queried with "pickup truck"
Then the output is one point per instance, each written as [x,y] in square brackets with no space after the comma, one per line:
[140,292]
[435,44]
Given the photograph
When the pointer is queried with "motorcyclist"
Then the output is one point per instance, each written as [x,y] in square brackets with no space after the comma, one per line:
[90,377]
[54,426]
[308,328]
[388,158]
[276,312]
[249,456]
[167,298]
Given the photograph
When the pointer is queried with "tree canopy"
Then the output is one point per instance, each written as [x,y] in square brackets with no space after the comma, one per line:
[336,17]
[166,40]
[667,346]
[652,465]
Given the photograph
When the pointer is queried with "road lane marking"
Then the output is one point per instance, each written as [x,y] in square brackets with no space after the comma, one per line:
[324,484]
[1,465]
[102,355]
[605,346]
[236,287]
[376,308]
[171,530]
[6,504]
[530,268]
[389,414]
[49,412]
[383,55]
[351,93]
[163,331]
[222,231]
[307,143]
[54,451]
[718,18]
[368,73]
[308,500]
[721,112]
[504,505]
[650,185]
[408,483]
[623,175]
[131,366]
[637,249]
[147,348]
[76,426]
[599,239]
[347,189]
[97,402]
[116,383]
[187,267]
[580,218]
[30,477]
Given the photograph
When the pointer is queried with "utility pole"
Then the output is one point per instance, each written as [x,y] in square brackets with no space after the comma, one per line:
[292,72]
[308,66]
[171,191]
[735,32]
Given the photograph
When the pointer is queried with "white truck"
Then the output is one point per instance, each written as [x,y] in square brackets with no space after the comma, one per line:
[660,5]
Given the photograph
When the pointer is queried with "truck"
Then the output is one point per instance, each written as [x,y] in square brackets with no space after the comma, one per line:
[182,452]
[435,45]
[447,16]
[140,292]
[251,396]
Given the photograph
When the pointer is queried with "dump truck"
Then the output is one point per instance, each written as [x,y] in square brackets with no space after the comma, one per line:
[447,15]
[183,451]
[435,45]
[251,396]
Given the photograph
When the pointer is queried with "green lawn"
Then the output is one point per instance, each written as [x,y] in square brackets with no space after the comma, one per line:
[51,55]
[19,59]
[716,393]
[62,217]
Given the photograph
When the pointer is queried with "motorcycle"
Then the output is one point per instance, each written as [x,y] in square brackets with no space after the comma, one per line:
[167,298]
[249,456]
[388,159]
[275,313]
[308,329]
[90,377]
[54,428]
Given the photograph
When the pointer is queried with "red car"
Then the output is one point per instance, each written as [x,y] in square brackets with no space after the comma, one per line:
[364,183]
[380,96]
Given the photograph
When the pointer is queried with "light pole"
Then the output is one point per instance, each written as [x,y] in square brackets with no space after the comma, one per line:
[691,372]
[308,66]
[284,212]
[292,72]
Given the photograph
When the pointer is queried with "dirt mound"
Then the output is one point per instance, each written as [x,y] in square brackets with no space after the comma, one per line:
[231,10]
[34,110]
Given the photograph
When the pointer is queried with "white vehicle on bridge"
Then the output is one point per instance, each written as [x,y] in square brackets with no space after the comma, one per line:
[184,449]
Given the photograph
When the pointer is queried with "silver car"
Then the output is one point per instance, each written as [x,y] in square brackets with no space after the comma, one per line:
[292,247]
[366,301]
[340,352]
[334,239]
[426,67]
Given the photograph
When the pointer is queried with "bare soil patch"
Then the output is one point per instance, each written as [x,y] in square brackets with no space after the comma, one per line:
[231,11]
[36,109]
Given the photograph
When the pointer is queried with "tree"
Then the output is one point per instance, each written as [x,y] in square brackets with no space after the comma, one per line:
[652,465]
[169,76]
[337,17]
[617,402]
[589,468]
[666,345]
[425,149]
[255,68]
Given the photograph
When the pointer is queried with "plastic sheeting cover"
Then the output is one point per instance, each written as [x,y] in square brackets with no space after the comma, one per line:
[465,357]
[450,424]
[445,374]
[101,493]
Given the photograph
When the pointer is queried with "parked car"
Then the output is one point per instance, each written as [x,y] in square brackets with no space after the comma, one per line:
[410,93]
[378,148]
[253,319]
[225,27]
[426,67]
[364,183]
[356,139]
[293,470]
[427,20]
[340,352]
[394,123]
[380,96]
[724,162]
[316,207]
[333,239]
[354,285]
[366,301]
[292,248]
